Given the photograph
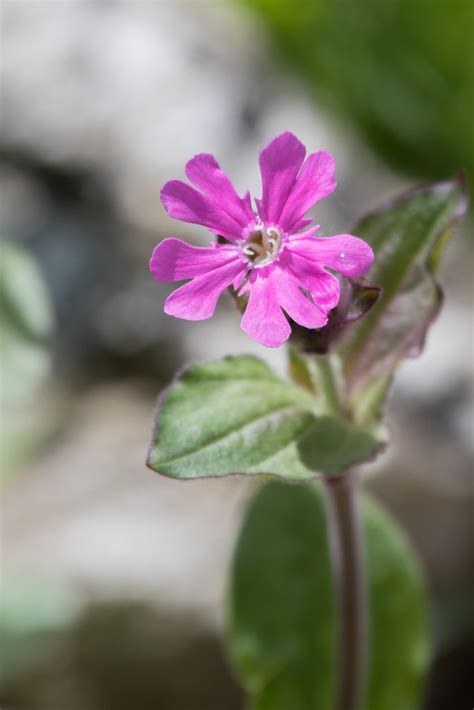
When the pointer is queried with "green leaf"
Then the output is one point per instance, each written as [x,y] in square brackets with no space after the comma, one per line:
[282,626]
[281,608]
[399,649]
[237,416]
[406,237]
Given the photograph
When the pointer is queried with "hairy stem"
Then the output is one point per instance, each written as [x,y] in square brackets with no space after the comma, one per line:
[349,570]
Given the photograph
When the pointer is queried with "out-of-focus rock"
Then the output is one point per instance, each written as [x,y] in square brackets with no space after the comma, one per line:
[124,655]
[90,512]
[128,90]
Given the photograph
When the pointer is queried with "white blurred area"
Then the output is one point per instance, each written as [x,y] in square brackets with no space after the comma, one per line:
[128,92]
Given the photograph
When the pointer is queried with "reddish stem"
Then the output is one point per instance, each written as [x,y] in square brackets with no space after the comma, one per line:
[349,572]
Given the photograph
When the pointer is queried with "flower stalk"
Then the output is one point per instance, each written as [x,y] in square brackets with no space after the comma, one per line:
[326,384]
[346,542]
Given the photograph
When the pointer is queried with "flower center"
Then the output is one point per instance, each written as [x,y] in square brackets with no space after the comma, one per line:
[263,245]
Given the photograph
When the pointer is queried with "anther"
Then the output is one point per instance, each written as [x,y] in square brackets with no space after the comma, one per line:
[262,246]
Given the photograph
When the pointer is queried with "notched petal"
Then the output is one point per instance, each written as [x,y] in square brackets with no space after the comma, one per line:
[263,319]
[344,253]
[314,182]
[280,163]
[184,202]
[197,299]
[175,260]
[205,172]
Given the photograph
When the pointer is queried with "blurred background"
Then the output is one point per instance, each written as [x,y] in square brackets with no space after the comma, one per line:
[113,579]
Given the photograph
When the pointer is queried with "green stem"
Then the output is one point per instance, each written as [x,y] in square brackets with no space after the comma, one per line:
[349,570]
[324,379]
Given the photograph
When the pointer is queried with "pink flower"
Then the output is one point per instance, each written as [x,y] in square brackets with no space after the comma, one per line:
[271,254]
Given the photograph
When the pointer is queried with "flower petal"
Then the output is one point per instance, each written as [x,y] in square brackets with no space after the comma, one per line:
[323,286]
[294,302]
[280,163]
[301,224]
[197,299]
[314,183]
[184,202]
[205,172]
[306,232]
[344,253]
[174,260]
[263,319]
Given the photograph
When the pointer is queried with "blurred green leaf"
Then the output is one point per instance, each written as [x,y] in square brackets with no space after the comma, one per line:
[282,633]
[24,299]
[399,639]
[25,329]
[402,73]
[281,620]
[25,324]
[34,611]
[237,416]
[406,237]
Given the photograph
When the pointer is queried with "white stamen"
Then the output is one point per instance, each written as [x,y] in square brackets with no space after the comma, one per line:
[262,246]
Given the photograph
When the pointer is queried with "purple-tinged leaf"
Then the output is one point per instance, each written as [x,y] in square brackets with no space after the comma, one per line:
[237,416]
[407,237]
